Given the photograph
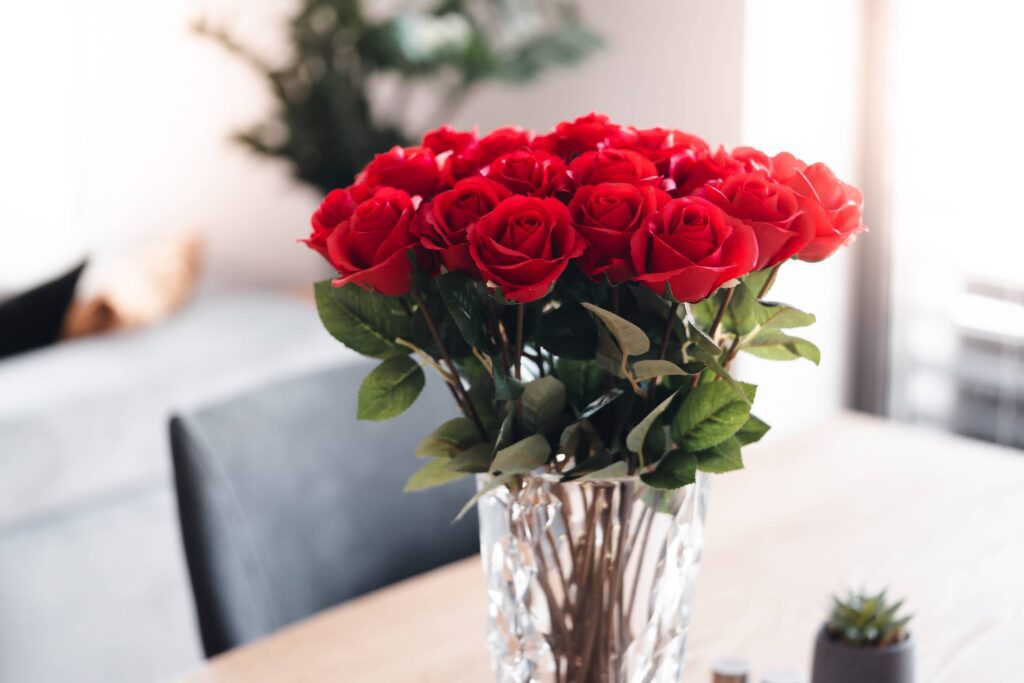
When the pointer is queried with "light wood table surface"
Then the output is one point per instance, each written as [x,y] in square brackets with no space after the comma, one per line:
[855,501]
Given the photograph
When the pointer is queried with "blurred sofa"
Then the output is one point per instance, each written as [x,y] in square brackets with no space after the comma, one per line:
[93,584]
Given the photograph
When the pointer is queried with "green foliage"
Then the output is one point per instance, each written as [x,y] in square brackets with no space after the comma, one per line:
[722,457]
[434,473]
[364,321]
[775,345]
[522,456]
[709,415]
[865,620]
[678,468]
[636,437]
[462,296]
[568,332]
[323,123]
[752,430]
[390,388]
[542,401]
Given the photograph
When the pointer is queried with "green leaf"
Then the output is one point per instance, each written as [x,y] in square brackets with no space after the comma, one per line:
[781,316]
[675,470]
[710,414]
[617,470]
[583,380]
[506,388]
[474,459]
[453,436]
[775,345]
[390,388]
[434,473]
[462,298]
[704,349]
[568,332]
[636,437]
[543,401]
[755,281]
[752,430]
[522,456]
[722,457]
[646,369]
[746,312]
[631,339]
[364,321]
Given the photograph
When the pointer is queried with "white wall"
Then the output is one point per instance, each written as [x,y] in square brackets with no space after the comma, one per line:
[801,90]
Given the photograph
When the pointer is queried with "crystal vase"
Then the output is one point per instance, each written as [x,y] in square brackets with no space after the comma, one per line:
[590,581]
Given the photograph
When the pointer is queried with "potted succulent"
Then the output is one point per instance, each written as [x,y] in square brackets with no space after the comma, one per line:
[864,639]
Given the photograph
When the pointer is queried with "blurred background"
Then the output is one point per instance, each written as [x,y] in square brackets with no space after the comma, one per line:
[177,150]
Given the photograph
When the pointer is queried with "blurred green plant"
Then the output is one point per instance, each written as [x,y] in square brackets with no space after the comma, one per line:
[867,620]
[324,123]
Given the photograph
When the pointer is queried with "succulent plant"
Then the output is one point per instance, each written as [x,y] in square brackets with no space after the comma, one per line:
[865,620]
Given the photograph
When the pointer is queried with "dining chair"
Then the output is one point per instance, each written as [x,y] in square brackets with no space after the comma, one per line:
[289,505]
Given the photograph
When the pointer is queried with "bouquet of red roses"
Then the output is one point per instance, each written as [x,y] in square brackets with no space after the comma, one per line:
[582,293]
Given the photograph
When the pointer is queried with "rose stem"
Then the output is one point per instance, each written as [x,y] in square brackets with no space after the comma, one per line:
[673,313]
[714,327]
[734,347]
[499,334]
[520,315]
[456,384]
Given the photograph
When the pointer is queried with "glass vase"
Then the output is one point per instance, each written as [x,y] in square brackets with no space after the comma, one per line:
[589,582]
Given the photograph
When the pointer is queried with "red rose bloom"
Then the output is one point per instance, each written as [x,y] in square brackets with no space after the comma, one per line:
[502,141]
[336,207]
[772,210]
[447,139]
[692,169]
[442,223]
[612,166]
[411,169]
[532,173]
[661,144]
[523,245]
[606,216]
[831,205]
[585,134]
[370,247]
[692,247]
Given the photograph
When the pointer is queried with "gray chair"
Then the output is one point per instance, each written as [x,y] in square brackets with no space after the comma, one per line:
[289,505]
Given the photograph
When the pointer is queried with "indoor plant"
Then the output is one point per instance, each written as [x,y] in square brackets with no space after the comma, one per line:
[583,294]
[864,639]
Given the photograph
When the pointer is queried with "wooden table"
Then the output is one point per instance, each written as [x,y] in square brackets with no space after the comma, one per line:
[854,502]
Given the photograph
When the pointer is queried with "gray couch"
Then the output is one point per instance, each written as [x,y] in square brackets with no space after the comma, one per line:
[93,584]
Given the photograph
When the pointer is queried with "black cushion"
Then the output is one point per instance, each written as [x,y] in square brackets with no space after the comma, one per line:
[289,505]
[34,318]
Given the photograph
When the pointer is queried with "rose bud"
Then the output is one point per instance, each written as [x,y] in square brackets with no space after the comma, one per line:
[442,222]
[370,248]
[692,247]
[831,205]
[606,216]
[531,173]
[612,166]
[524,245]
[772,210]
[411,169]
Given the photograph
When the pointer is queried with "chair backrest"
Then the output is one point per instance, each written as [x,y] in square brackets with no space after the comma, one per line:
[289,505]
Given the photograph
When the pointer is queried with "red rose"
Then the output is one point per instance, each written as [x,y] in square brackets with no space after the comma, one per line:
[693,247]
[336,207]
[447,139]
[661,144]
[370,247]
[831,205]
[412,169]
[612,166]
[585,134]
[606,216]
[693,168]
[772,210]
[523,245]
[532,173]
[502,141]
[442,223]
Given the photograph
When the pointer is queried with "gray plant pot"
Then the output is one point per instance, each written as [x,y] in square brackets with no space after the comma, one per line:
[836,662]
